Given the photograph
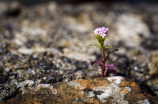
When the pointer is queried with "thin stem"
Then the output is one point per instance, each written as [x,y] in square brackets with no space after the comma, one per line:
[103,55]
[104,59]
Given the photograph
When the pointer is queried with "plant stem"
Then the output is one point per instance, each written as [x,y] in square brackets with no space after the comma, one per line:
[104,59]
[103,55]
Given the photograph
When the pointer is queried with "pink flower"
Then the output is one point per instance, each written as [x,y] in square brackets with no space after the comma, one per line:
[97,31]
[111,67]
[104,30]
[101,31]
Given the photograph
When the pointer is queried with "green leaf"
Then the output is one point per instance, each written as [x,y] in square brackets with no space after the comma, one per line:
[107,47]
[111,51]
[96,44]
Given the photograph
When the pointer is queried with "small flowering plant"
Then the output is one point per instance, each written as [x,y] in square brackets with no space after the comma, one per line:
[100,34]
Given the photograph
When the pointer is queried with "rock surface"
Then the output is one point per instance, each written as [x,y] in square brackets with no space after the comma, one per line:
[110,90]
[153,71]
[49,43]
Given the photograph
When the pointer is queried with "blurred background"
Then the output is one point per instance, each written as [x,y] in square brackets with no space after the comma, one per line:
[32,2]
[49,40]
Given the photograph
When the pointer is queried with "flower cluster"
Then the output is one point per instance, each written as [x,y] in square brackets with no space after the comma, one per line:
[110,67]
[101,31]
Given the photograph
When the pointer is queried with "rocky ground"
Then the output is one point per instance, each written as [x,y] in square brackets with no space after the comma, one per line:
[111,90]
[50,43]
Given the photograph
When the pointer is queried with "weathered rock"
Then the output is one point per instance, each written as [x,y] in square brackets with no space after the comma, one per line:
[108,90]
[49,43]
[153,64]
[153,71]
[130,31]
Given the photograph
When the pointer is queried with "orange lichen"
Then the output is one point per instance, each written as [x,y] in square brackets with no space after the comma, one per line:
[133,84]
[125,91]
[70,94]
[92,83]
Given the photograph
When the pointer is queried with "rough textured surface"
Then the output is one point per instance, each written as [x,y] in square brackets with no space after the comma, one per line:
[92,91]
[153,71]
[49,43]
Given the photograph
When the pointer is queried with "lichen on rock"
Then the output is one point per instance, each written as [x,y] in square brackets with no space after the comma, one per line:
[97,90]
